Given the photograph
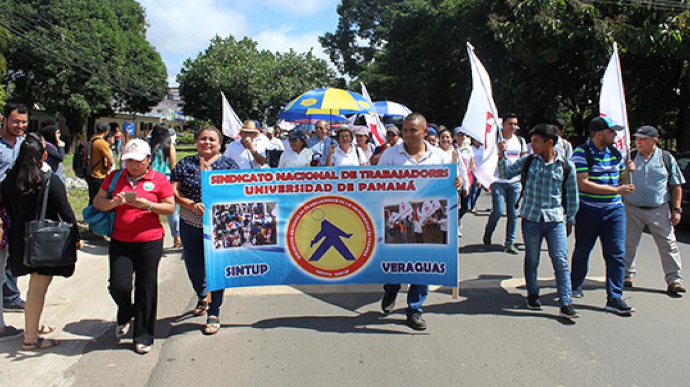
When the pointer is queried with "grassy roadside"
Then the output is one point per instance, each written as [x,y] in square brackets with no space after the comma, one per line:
[79,197]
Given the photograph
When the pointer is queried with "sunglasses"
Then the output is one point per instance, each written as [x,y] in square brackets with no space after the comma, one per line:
[294,139]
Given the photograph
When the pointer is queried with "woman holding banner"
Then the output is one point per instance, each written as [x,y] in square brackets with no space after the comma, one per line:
[186,183]
[345,154]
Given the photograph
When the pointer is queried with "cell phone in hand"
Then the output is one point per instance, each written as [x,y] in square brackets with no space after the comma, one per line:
[130,196]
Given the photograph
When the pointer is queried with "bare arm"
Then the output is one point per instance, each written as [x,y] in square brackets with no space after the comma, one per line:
[585,185]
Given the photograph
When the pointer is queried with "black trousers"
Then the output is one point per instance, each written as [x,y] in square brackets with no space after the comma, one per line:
[94,185]
[141,261]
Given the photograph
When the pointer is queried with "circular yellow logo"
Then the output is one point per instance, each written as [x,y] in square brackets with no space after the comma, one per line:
[308,102]
[330,237]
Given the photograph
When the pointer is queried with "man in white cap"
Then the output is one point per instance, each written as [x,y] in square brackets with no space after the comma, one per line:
[249,152]
[656,203]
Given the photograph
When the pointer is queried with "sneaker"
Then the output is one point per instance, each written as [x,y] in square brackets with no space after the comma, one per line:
[533,302]
[15,307]
[577,293]
[416,322]
[459,234]
[473,211]
[388,302]
[10,332]
[511,249]
[487,239]
[568,311]
[617,305]
[676,288]
[628,282]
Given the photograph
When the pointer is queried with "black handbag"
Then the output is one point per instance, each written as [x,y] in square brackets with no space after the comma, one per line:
[49,243]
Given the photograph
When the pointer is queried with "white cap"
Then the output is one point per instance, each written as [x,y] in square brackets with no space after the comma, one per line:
[136,149]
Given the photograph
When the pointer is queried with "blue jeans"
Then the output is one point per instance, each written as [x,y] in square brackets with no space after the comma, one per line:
[174,222]
[10,289]
[503,198]
[609,226]
[556,240]
[474,195]
[193,256]
[416,295]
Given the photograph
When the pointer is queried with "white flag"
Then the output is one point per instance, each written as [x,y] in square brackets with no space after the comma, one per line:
[231,123]
[394,217]
[405,210]
[376,128]
[480,119]
[612,101]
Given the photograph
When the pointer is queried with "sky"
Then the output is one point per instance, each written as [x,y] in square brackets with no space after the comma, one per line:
[181,29]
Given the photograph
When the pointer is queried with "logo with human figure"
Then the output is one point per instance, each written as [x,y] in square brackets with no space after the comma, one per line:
[330,237]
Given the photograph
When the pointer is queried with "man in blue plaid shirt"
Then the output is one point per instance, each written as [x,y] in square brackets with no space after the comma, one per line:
[548,211]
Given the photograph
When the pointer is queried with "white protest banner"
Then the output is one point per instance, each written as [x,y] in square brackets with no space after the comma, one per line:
[480,120]
[376,128]
[231,123]
[612,101]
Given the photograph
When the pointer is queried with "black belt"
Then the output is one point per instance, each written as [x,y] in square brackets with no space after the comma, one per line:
[647,208]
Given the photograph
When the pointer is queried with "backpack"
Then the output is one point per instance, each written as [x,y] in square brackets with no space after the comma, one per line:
[590,158]
[81,163]
[525,173]
[665,156]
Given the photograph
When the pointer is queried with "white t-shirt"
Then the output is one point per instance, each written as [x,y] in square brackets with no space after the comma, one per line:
[243,157]
[514,149]
[397,155]
[462,168]
[290,159]
[275,144]
[417,227]
[353,157]
[478,154]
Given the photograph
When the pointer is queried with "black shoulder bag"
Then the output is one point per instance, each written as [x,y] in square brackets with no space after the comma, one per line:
[49,243]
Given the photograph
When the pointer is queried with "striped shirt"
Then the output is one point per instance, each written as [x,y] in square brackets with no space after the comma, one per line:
[606,170]
[543,196]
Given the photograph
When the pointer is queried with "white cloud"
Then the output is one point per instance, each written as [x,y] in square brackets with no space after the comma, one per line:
[291,8]
[280,40]
[180,29]
[183,27]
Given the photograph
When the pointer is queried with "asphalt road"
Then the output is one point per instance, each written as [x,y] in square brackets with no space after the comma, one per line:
[323,336]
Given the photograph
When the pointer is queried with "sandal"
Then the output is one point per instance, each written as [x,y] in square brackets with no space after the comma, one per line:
[121,330]
[201,307]
[41,343]
[45,330]
[212,325]
[142,349]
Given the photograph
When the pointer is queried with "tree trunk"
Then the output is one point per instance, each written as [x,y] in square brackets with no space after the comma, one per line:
[75,125]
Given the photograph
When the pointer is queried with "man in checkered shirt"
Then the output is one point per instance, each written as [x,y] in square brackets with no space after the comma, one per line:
[548,211]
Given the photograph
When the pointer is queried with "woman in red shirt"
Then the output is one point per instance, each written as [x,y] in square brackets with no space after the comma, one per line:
[140,196]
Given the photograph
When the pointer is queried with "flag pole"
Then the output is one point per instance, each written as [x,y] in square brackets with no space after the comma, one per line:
[499,135]
[624,108]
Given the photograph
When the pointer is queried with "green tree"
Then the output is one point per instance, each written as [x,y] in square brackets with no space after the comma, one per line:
[545,57]
[82,58]
[257,83]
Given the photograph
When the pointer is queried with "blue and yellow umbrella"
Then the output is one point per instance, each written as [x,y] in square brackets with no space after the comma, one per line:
[324,103]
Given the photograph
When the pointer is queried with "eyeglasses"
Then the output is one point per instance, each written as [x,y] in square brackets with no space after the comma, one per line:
[320,127]
[294,139]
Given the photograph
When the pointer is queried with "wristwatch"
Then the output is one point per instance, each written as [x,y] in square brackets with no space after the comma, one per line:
[677,209]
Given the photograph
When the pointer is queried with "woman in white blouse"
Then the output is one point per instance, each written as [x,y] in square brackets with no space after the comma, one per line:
[297,154]
[345,154]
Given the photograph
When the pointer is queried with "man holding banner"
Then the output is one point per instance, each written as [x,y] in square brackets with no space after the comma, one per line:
[600,171]
[505,192]
[413,151]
